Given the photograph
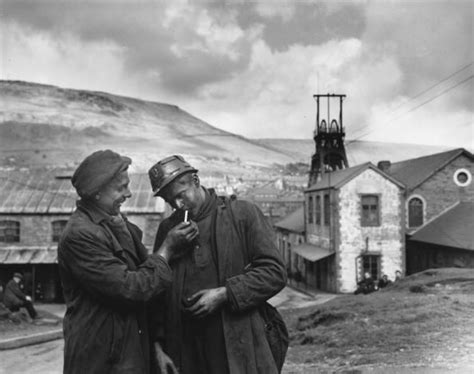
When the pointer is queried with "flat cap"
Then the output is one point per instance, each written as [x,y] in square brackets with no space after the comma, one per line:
[97,170]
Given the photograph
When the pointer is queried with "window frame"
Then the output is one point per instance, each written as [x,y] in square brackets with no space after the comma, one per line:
[318,209]
[364,222]
[423,210]
[55,236]
[327,209]
[310,209]
[4,237]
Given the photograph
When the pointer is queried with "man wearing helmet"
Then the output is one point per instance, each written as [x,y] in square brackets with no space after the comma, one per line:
[211,320]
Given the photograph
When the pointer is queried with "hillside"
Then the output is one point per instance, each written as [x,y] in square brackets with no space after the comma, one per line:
[42,125]
[423,321]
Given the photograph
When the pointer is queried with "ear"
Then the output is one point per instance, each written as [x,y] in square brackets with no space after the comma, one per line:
[196,180]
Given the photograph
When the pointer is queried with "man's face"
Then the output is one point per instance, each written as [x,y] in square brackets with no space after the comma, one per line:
[184,194]
[114,194]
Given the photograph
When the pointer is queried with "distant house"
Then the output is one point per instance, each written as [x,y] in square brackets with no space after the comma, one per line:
[290,231]
[438,203]
[353,223]
[34,209]
[274,200]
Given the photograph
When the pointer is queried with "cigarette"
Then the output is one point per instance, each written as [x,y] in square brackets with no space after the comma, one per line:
[185,216]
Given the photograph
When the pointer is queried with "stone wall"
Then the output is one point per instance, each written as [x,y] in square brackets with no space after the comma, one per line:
[387,240]
[440,192]
[36,230]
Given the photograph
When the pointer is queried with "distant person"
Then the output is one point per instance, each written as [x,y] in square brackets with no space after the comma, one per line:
[108,276]
[214,316]
[14,298]
[366,285]
[384,281]
[398,275]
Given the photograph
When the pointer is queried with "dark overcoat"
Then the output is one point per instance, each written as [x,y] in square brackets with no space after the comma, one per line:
[14,296]
[252,270]
[106,286]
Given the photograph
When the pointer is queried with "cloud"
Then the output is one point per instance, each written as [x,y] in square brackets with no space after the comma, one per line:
[253,69]
[274,94]
[41,57]
[277,9]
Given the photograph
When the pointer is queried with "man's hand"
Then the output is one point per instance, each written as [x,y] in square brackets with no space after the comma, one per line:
[205,302]
[28,298]
[164,362]
[180,235]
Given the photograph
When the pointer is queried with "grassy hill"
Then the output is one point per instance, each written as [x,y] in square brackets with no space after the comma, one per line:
[423,321]
[47,125]
[43,125]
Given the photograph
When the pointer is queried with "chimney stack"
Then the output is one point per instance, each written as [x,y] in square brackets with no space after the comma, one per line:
[384,165]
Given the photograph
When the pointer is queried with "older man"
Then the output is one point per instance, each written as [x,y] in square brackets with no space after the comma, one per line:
[213,322]
[14,298]
[107,275]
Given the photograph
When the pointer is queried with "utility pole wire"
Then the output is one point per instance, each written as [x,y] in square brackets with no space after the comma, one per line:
[414,108]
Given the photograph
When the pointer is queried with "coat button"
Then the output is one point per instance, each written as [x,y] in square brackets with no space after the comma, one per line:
[139,331]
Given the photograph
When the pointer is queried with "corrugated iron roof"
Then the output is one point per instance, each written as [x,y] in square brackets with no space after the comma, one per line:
[29,255]
[415,171]
[42,193]
[293,222]
[454,228]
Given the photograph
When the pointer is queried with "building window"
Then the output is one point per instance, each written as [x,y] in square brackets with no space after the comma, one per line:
[9,231]
[371,265]
[310,209]
[58,227]
[318,210]
[462,177]
[415,212]
[370,210]
[327,211]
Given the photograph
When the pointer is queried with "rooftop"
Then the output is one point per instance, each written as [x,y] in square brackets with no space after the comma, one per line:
[415,171]
[43,193]
[453,228]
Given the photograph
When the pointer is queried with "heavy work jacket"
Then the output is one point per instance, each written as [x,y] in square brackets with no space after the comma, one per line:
[106,284]
[14,296]
[252,269]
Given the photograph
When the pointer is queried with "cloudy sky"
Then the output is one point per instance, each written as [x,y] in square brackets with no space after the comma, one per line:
[252,67]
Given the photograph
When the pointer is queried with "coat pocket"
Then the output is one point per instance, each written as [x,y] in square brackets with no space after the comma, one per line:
[117,337]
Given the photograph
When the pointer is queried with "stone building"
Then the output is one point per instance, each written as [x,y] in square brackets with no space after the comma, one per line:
[439,197]
[354,220]
[34,209]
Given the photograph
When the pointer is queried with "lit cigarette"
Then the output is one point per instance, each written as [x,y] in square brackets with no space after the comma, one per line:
[185,216]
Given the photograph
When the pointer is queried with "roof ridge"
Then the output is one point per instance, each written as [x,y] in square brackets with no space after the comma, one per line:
[455,150]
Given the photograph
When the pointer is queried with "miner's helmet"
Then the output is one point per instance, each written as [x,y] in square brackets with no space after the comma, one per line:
[166,171]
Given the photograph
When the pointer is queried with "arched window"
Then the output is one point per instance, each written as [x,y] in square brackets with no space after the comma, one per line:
[415,212]
[9,231]
[57,229]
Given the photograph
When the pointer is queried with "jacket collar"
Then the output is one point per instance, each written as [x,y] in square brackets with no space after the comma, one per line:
[96,214]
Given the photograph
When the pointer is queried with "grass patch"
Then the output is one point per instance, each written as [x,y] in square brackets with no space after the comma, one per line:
[414,316]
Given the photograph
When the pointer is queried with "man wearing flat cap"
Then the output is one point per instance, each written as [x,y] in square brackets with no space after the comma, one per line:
[212,319]
[14,298]
[107,276]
